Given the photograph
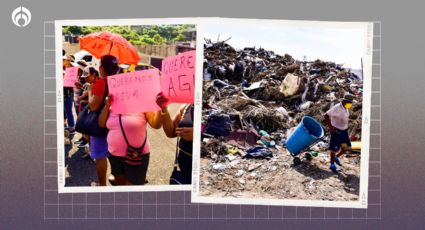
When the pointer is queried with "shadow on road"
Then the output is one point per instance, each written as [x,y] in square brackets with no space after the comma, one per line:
[82,171]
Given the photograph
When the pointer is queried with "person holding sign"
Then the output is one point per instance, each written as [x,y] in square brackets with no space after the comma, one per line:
[181,126]
[128,144]
[97,93]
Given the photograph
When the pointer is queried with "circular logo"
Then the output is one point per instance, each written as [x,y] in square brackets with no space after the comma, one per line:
[21,16]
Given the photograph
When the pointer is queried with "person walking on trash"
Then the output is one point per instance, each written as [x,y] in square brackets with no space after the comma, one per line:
[337,119]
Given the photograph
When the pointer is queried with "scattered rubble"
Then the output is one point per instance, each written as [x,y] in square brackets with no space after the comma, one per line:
[253,99]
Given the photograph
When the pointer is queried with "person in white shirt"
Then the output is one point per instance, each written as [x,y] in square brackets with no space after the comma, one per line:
[337,119]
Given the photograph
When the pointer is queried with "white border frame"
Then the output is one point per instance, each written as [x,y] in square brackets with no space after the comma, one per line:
[367,93]
[59,99]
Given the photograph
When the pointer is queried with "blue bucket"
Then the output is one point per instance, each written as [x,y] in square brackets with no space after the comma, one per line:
[305,134]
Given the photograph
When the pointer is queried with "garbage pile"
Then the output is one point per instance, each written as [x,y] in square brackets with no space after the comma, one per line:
[256,88]
[254,98]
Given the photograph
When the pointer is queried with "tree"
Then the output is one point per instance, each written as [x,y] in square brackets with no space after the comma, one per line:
[91,29]
[181,37]
[153,35]
[158,39]
[77,30]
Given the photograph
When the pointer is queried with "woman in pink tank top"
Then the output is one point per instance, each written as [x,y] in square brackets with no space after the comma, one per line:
[128,130]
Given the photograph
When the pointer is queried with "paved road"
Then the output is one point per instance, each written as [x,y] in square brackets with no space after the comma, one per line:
[81,172]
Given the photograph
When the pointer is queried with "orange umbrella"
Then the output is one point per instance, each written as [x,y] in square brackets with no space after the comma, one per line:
[103,43]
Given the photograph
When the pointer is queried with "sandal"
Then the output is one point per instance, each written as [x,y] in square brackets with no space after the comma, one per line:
[111,180]
[94,184]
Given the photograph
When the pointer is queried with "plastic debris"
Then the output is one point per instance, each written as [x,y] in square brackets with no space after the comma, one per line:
[231,157]
[219,167]
[290,85]
[239,173]
[258,152]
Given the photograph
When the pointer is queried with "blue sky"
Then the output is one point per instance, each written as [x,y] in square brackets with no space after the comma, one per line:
[341,44]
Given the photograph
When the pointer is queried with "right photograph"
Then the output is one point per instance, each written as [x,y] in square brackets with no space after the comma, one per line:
[285,113]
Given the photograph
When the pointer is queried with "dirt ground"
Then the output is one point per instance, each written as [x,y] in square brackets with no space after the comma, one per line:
[81,171]
[277,178]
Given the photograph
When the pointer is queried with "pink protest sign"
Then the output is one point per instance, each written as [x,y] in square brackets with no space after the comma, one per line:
[135,91]
[70,77]
[178,77]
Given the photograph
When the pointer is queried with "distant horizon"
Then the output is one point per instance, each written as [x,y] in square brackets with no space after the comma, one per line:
[335,44]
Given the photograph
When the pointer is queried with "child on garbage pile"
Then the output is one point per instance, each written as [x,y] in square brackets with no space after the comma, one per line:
[337,119]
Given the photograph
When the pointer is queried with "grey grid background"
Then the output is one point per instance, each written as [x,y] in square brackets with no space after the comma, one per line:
[177,205]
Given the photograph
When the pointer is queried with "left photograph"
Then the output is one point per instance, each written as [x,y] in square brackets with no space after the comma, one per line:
[126,104]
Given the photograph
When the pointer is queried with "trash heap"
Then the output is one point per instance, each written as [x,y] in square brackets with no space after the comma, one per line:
[270,92]
[253,99]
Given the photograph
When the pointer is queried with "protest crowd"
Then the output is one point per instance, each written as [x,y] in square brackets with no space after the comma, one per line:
[113,133]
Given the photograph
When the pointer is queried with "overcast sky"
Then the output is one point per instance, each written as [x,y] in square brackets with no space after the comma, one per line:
[340,44]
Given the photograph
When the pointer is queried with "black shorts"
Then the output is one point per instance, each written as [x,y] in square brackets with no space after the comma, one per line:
[136,174]
[338,138]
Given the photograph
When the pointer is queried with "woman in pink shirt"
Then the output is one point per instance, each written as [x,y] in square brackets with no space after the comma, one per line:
[128,144]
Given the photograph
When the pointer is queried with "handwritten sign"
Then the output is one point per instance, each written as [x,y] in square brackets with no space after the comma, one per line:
[178,77]
[70,77]
[134,91]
